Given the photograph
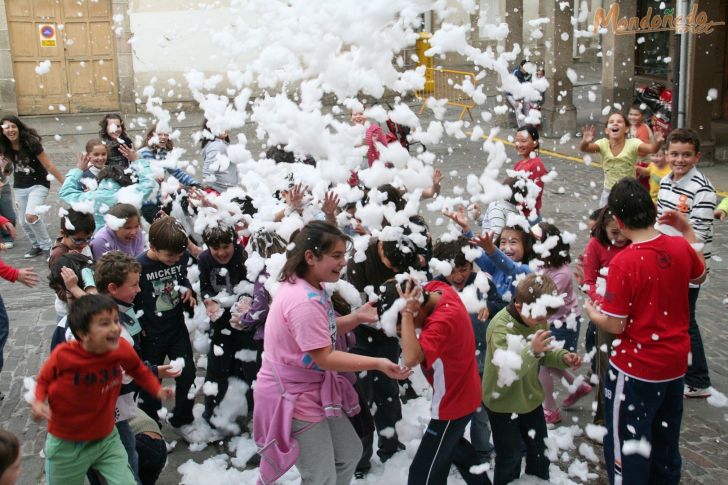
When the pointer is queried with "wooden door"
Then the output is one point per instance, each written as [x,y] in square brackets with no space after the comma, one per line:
[77,38]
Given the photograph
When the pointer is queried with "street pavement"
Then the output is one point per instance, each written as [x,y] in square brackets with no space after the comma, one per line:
[567,200]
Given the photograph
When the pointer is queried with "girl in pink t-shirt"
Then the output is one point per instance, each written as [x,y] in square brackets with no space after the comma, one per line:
[299,360]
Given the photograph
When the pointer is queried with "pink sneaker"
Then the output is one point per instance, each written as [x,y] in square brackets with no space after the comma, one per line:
[582,391]
[552,417]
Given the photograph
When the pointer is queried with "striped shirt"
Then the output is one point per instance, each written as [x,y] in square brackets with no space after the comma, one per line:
[695,196]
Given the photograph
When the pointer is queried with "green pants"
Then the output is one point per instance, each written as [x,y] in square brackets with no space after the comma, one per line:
[67,461]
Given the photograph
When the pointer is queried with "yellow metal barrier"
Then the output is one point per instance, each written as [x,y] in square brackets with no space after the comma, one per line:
[441,83]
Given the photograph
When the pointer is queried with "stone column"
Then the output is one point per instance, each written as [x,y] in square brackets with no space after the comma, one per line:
[558,111]
[124,62]
[618,53]
[514,19]
[8,100]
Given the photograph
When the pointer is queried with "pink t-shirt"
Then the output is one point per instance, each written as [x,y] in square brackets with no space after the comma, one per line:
[301,318]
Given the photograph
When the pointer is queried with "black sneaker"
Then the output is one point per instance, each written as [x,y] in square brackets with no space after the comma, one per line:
[33,252]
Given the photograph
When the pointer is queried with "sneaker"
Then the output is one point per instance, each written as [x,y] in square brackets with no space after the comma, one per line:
[580,392]
[552,417]
[696,392]
[33,252]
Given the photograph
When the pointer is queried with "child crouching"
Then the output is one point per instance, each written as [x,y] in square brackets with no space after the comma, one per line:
[82,380]
[517,391]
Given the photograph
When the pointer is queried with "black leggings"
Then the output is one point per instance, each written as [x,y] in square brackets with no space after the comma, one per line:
[443,445]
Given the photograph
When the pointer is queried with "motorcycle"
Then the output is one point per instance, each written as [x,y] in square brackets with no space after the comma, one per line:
[656,102]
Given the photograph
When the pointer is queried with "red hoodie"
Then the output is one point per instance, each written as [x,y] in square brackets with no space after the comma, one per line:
[7,272]
[82,388]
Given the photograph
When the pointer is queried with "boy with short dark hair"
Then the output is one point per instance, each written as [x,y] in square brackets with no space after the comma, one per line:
[165,292]
[688,191]
[81,380]
[452,372]
[222,269]
[77,230]
[462,277]
[646,307]
[513,395]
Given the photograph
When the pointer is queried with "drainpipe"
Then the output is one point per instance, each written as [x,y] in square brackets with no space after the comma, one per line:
[683,9]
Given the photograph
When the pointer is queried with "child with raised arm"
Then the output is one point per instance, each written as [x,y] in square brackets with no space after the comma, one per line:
[514,396]
[646,306]
[76,391]
[442,352]
[619,153]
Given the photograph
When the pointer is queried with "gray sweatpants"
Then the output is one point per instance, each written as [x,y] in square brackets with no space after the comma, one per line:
[330,451]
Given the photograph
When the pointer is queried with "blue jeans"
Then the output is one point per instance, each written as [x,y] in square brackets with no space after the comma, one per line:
[697,375]
[7,208]
[480,434]
[28,201]
[4,330]
[634,410]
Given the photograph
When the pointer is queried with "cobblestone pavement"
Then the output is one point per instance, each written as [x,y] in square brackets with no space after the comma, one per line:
[567,200]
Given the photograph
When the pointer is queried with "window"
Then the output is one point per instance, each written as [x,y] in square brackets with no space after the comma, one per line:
[652,48]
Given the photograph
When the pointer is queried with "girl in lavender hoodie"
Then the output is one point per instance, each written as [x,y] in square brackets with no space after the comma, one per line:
[306,428]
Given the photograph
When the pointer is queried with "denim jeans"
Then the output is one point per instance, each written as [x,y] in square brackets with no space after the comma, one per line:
[28,200]
[7,208]
[4,330]
[697,375]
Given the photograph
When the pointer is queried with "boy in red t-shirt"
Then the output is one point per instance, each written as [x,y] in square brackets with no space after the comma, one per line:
[646,306]
[452,372]
[76,392]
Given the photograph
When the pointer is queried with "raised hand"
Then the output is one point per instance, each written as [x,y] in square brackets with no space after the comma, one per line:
[588,134]
[459,216]
[83,160]
[541,342]
[330,204]
[486,241]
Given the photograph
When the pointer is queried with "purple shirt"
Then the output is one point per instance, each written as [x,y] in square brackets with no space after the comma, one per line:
[564,280]
[106,240]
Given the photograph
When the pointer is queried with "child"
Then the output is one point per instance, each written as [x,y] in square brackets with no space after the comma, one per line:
[299,395]
[71,277]
[111,179]
[77,230]
[461,277]
[640,130]
[22,146]
[10,465]
[646,305]
[564,324]
[96,154]
[26,276]
[722,209]
[606,242]
[165,294]
[437,311]
[222,269]
[119,145]
[218,172]
[619,153]
[496,216]
[265,244]
[155,147]
[689,192]
[122,232]
[657,169]
[513,397]
[527,142]
[117,275]
[506,261]
[81,380]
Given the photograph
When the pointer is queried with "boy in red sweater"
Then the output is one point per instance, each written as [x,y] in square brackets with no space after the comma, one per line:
[76,392]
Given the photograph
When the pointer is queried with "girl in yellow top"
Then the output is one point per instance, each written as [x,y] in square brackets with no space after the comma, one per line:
[619,153]
[656,170]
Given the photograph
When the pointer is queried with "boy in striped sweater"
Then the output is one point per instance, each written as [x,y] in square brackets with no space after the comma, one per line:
[688,191]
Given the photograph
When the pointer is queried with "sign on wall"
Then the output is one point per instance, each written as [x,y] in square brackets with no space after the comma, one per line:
[47,35]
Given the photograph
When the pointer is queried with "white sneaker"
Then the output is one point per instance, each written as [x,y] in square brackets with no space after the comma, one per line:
[696,392]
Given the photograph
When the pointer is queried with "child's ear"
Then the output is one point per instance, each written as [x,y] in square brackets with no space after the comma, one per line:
[518,307]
